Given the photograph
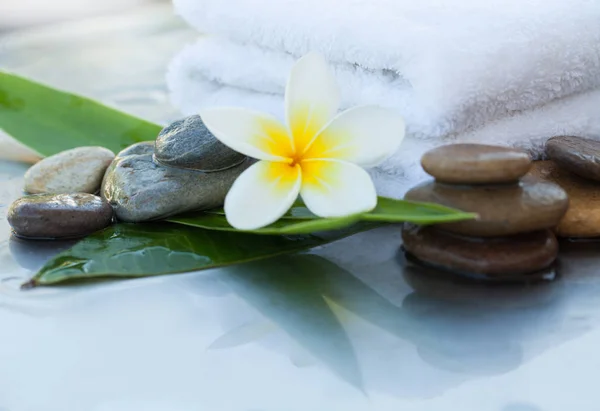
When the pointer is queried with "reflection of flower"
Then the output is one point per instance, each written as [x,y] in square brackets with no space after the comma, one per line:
[317,155]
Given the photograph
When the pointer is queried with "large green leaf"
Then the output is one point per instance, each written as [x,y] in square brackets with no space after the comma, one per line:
[143,250]
[299,220]
[50,121]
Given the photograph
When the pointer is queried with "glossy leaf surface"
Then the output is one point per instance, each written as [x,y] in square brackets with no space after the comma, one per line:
[143,250]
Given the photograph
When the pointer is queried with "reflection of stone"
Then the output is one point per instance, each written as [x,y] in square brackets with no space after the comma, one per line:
[32,255]
[579,262]
[433,285]
[476,329]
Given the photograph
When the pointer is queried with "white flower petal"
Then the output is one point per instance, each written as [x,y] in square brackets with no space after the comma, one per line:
[312,98]
[333,188]
[262,194]
[363,135]
[252,133]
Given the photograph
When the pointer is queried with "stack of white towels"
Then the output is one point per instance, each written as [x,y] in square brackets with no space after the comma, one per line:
[511,72]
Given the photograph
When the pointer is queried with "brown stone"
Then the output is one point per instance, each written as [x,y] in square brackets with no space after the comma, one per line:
[578,155]
[503,209]
[499,256]
[583,215]
[475,164]
[50,216]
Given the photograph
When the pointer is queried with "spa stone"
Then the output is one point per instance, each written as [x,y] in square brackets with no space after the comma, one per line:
[503,209]
[79,170]
[50,216]
[582,219]
[475,164]
[578,155]
[499,256]
[140,189]
[188,144]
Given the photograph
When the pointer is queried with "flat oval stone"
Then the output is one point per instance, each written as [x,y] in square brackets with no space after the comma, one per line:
[140,189]
[187,143]
[475,164]
[503,209]
[578,155]
[79,170]
[499,256]
[50,216]
[582,218]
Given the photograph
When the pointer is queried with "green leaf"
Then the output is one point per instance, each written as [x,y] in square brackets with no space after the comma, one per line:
[299,220]
[50,121]
[282,227]
[395,211]
[144,250]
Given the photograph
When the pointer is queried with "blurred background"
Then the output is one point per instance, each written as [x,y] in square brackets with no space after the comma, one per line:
[16,14]
[115,51]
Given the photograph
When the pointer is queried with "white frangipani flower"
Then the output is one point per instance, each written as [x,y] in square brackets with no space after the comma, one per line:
[318,155]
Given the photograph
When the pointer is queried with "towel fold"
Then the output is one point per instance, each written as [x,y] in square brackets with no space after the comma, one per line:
[501,71]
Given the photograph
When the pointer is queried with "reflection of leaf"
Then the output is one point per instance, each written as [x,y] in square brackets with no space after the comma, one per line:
[50,121]
[299,220]
[244,334]
[287,291]
[282,227]
[143,250]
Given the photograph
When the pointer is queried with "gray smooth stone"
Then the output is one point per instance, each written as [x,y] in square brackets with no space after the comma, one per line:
[503,209]
[187,143]
[139,189]
[50,216]
[576,154]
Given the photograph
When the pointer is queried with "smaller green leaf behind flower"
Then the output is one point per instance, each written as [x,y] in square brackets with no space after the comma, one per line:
[299,220]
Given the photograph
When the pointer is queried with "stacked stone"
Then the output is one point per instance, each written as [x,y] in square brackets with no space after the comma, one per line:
[512,236]
[574,164]
[185,169]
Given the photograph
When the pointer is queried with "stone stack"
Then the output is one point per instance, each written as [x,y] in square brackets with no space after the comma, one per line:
[185,169]
[575,166]
[512,236]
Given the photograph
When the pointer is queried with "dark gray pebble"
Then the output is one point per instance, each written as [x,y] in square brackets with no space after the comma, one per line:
[576,154]
[53,216]
[188,144]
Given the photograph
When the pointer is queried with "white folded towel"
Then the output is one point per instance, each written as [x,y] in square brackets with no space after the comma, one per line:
[450,67]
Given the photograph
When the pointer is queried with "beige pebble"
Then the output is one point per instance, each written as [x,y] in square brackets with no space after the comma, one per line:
[79,170]
[582,219]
